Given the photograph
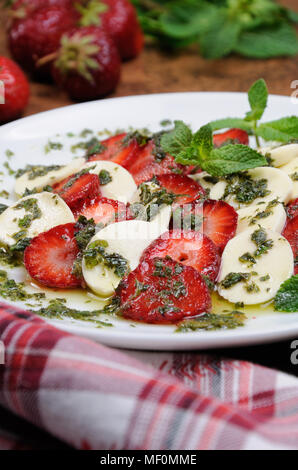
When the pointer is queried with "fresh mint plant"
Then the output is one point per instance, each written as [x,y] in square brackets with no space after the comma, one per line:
[280,130]
[252,28]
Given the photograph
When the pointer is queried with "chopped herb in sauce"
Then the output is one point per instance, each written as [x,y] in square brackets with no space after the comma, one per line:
[104,177]
[9,153]
[53,146]
[33,212]
[85,231]
[141,136]
[151,195]
[3,207]
[234,278]
[58,310]
[95,254]
[212,321]
[244,188]
[247,258]
[35,171]
[259,237]
[265,213]
[4,194]
[75,178]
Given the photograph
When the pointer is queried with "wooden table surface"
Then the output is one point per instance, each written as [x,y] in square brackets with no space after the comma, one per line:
[155,72]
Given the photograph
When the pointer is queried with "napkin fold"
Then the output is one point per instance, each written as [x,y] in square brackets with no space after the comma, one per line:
[94,397]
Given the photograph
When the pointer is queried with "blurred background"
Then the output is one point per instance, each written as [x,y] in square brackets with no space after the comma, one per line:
[158,69]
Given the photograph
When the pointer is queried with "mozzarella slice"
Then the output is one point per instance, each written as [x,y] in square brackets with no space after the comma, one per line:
[53,211]
[291,169]
[272,217]
[279,185]
[281,155]
[128,239]
[122,187]
[218,190]
[267,274]
[204,179]
[52,177]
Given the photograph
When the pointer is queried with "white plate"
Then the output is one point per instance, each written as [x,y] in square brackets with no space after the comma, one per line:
[27,137]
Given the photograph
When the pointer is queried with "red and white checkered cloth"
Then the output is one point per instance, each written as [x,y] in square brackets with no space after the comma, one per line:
[94,397]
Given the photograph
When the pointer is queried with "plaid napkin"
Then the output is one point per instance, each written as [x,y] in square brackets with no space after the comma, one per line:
[93,397]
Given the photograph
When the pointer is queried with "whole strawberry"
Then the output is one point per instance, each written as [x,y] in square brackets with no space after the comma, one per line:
[119,19]
[22,8]
[38,34]
[15,90]
[88,64]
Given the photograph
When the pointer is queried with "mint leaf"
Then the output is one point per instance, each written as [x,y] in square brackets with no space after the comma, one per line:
[286,299]
[281,130]
[266,42]
[203,141]
[257,97]
[229,123]
[184,21]
[221,38]
[231,159]
[177,140]
[179,143]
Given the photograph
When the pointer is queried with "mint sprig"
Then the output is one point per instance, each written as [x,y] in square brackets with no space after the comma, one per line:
[280,130]
[252,28]
[197,149]
[286,299]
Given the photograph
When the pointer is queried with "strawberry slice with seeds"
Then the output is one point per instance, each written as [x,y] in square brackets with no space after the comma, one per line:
[186,189]
[78,188]
[290,232]
[232,136]
[150,161]
[161,290]
[292,208]
[118,149]
[102,210]
[50,257]
[187,247]
[216,219]
[219,222]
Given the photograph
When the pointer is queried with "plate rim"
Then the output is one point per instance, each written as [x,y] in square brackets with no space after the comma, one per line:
[195,340]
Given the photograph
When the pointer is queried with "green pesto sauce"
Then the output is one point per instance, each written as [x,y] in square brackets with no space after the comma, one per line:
[96,254]
[34,171]
[244,188]
[213,321]
[104,177]
[57,309]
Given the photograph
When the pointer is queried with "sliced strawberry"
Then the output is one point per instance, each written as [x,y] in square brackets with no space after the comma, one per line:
[292,208]
[216,219]
[78,188]
[219,222]
[232,136]
[102,210]
[290,232]
[187,247]
[118,150]
[187,190]
[50,257]
[149,163]
[161,290]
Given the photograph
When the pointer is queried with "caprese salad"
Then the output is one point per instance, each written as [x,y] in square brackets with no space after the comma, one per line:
[156,222]
[132,224]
